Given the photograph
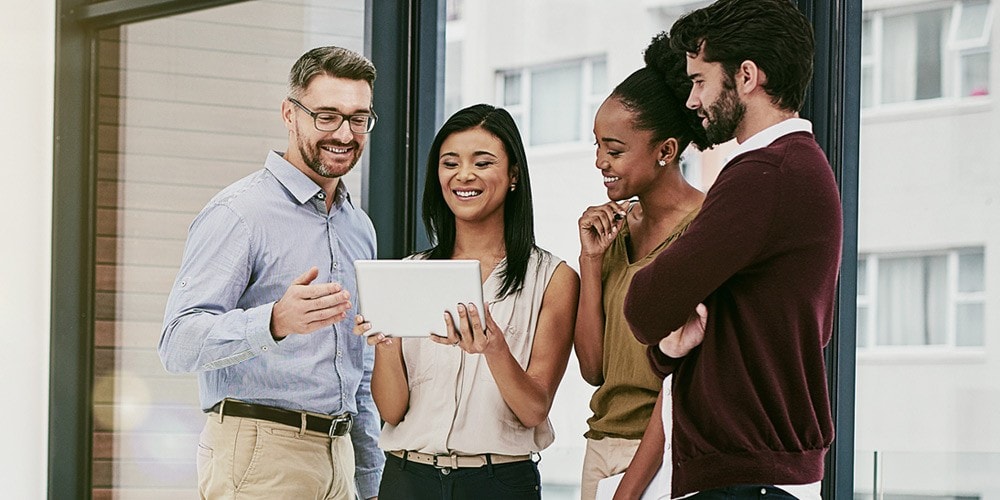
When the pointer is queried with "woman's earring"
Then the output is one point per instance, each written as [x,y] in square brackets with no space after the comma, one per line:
[512,186]
[661,162]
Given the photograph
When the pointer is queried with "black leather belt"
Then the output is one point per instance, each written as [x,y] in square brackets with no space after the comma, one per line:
[332,425]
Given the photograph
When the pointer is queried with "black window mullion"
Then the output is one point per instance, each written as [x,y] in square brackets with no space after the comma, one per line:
[833,104]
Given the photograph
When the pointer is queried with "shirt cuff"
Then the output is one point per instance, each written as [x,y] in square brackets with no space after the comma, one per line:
[368,484]
[258,333]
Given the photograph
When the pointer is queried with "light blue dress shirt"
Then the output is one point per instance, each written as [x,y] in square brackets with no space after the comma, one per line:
[243,251]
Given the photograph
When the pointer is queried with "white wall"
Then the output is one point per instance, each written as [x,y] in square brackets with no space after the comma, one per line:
[27,42]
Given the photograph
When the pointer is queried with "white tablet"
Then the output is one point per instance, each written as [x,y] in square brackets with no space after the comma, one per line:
[408,298]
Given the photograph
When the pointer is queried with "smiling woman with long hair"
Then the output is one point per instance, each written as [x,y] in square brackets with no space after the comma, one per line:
[466,414]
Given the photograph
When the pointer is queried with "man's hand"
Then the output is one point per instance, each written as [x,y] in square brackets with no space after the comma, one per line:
[682,340]
[305,308]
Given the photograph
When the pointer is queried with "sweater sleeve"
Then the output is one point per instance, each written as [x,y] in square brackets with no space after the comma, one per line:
[727,236]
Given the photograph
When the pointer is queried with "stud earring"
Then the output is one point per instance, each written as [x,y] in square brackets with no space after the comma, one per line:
[661,162]
[512,186]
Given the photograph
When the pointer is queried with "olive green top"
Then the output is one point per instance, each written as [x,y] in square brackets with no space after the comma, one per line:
[623,404]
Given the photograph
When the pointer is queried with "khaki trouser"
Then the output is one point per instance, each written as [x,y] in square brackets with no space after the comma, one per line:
[248,459]
[604,458]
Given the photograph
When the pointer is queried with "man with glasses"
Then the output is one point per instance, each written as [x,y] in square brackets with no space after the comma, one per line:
[261,307]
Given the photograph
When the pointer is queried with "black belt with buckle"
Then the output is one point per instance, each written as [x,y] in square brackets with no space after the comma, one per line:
[332,425]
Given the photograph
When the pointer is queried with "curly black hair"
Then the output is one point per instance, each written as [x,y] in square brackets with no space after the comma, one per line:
[657,93]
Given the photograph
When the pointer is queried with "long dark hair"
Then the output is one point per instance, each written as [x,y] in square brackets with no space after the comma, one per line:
[518,218]
[656,95]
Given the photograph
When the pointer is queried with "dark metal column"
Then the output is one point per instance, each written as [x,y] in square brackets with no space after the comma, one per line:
[834,106]
[407,47]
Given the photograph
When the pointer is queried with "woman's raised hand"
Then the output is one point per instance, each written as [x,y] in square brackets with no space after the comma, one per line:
[598,227]
[469,333]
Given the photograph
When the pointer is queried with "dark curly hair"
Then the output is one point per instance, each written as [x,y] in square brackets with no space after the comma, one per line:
[656,95]
[771,33]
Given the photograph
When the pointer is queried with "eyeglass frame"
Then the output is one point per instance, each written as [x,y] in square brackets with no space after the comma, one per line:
[372,117]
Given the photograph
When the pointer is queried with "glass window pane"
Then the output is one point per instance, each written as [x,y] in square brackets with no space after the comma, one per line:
[866,42]
[899,58]
[186,105]
[867,86]
[862,326]
[973,19]
[599,78]
[970,271]
[975,74]
[930,40]
[567,72]
[512,89]
[969,325]
[936,299]
[862,276]
[912,301]
[555,105]
[950,189]
[912,56]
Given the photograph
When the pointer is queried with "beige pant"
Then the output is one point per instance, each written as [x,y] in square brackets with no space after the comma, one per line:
[248,458]
[605,458]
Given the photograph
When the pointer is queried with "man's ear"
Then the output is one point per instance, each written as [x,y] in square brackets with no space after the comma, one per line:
[749,76]
[288,114]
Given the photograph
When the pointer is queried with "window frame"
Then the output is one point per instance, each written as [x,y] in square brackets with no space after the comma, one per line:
[952,52]
[70,418]
[409,96]
[953,298]
[587,97]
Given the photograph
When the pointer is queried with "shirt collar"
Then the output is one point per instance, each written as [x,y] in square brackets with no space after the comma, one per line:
[299,184]
[765,137]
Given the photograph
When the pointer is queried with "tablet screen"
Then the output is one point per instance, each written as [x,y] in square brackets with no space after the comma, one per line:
[407,298]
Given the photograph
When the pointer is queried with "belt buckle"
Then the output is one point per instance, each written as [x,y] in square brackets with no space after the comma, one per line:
[453,459]
[336,423]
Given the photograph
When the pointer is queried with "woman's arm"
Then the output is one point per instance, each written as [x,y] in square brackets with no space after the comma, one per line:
[588,337]
[598,227]
[528,393]
[390,388]
[648,457]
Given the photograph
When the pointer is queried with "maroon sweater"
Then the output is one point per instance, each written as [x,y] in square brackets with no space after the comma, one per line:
[750,404]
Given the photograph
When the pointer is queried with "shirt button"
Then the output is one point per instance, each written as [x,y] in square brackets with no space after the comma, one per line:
[321,195]
[263,348]
[763,491]
[338,352]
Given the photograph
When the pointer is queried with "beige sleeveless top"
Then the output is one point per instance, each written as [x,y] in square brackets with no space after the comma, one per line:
[455,405]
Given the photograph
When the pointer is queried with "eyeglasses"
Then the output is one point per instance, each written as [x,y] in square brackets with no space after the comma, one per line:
[330,121]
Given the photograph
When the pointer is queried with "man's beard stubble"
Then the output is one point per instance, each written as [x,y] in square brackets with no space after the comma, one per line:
[724,115]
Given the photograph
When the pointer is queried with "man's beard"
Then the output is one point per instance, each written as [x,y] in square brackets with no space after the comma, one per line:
[312,157]
[724,116]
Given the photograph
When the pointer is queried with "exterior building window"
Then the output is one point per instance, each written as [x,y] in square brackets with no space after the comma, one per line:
[934,52]
[929,299]
[554,103]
